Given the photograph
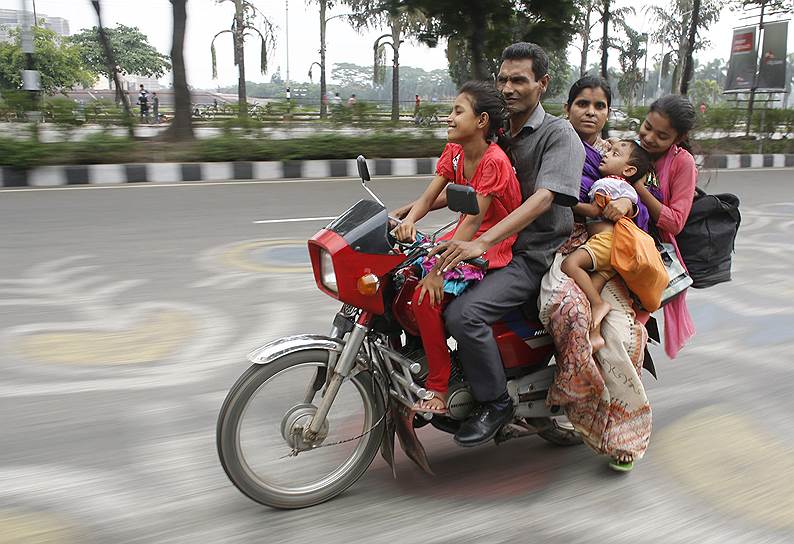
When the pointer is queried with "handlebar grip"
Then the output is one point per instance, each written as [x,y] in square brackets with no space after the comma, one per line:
[478,262]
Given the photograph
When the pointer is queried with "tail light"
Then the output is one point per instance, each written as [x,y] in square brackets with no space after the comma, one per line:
[327,273]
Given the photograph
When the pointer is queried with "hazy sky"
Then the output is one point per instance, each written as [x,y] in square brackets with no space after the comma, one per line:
[206,17]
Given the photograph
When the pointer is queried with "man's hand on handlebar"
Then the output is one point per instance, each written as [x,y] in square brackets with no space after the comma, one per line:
[406,231]
[454,251]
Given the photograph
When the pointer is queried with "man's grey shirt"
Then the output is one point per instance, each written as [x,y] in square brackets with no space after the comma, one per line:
[548,154]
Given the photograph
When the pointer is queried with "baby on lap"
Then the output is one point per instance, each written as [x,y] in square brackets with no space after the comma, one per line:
[589,266]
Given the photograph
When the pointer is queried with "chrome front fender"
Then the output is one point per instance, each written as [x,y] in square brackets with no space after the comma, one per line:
[290,344]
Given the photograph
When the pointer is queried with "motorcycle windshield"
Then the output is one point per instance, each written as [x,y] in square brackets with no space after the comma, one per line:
[365,227]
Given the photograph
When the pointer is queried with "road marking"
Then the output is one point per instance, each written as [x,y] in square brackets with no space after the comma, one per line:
[154,184]
[735,464]
[35,527]
[294,220]
[238,256]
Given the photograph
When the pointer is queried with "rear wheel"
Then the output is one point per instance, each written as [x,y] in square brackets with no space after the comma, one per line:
[261,421]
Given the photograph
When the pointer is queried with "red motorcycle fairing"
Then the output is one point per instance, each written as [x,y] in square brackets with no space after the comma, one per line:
[522,342]
[349,266]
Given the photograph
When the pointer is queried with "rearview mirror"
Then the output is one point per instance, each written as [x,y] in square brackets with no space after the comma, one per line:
[363,171]
[462,199]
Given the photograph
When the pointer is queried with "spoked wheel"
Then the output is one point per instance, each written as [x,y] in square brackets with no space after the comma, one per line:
[262,420]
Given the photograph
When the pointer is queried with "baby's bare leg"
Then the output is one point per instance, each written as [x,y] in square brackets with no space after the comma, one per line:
[576,266]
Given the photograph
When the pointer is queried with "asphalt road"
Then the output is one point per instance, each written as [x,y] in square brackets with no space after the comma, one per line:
[126,314]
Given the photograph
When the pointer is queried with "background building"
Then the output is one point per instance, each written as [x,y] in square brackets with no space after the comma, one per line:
[12,18]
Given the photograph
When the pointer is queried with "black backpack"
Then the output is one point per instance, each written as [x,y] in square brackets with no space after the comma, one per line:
[707,240]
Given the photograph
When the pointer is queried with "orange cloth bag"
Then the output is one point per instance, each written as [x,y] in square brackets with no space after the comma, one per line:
[636,259]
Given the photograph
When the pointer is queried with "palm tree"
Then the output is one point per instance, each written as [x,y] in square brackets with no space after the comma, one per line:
[605,39]
[245,17]
[686,73]
[674,25]
[402,22]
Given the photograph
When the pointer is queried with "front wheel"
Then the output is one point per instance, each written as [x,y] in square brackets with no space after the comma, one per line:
[259,426]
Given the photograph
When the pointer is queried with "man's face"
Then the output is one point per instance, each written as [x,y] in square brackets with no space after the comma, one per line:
[517,83]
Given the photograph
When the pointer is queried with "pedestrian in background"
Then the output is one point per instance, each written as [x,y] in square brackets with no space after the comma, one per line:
[143,102]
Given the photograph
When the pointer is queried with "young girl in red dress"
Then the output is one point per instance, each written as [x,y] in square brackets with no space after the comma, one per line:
[470,158]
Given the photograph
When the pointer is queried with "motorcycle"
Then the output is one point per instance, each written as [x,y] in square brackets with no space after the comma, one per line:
[318,408]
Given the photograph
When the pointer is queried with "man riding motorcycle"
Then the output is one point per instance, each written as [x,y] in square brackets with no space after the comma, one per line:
[548,158]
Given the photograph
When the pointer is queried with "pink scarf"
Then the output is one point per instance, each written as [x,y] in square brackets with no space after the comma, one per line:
[676,168]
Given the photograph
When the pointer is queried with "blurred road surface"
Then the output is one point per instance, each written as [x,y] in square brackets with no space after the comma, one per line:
[126,314]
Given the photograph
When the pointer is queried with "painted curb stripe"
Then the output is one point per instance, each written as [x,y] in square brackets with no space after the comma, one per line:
[106,174]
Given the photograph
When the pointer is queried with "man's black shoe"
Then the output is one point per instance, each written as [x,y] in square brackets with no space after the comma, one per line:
[483,424]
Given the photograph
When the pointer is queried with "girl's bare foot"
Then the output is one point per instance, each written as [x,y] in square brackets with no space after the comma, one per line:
[437,404]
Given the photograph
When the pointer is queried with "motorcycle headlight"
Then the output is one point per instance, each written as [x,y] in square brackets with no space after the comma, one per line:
[327,274]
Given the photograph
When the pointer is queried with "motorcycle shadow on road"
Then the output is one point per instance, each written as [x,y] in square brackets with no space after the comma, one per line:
[513,469]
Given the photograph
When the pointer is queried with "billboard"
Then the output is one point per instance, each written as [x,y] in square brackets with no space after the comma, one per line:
[772,70]
[742,64]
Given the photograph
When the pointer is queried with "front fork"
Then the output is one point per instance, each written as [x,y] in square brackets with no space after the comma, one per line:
[339,370]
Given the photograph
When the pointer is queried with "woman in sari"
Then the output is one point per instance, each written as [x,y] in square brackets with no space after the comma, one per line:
[603,396]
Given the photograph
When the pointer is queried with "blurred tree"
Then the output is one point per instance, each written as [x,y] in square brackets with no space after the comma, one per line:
[181,128]
[631,49]
[132,51]
[715,70]
[686,71]
[108,55]
[589,15]
[562,74]
[605,41]
[706,91]
[403,23]
[769,5]
[477,32]
[243,26]
[348,74]
[56,58]
[673,28]
[324,5]
[276,77]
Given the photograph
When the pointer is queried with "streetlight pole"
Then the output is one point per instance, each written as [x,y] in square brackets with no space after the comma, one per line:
[31,80]
[287,41]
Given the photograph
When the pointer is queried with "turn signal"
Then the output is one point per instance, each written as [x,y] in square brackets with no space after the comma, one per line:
[368,284]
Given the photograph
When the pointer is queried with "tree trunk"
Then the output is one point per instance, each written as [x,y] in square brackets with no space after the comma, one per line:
[395,74]
[585,40]
[110,59]
[675,84]
[605,40]
[476,41]
[182,126]
[686,72]
[239,51]
[323,92]
[604,56]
